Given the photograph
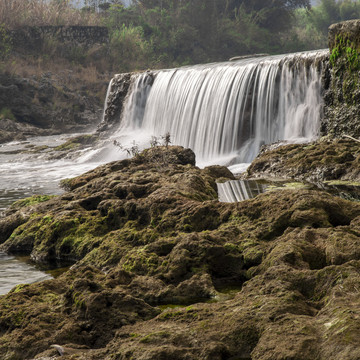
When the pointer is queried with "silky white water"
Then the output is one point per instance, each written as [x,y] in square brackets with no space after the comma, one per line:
[23,174]
[225,112]
[239,190]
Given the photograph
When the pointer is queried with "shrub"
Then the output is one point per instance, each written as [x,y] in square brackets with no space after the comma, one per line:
[5,43]
[6,113]
[129,49]
[17,13]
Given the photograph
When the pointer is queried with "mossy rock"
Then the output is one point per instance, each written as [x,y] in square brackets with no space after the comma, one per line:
[77,142]
[319,161]
[143,236]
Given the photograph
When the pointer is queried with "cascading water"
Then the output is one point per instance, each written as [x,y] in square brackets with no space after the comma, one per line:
[239,190]
[226,111]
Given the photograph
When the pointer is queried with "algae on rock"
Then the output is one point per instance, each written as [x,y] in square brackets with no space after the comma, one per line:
[342,111]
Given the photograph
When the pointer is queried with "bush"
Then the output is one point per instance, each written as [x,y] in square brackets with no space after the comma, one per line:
[6,113]
[5,43]
[18,13]
[128,48]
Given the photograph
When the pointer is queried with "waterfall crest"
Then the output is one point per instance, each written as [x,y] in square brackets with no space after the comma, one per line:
[229,110]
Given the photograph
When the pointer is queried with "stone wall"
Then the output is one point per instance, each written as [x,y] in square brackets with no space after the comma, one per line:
[33,37]
[342,83]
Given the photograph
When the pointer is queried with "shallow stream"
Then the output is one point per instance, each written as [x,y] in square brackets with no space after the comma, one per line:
[24,172]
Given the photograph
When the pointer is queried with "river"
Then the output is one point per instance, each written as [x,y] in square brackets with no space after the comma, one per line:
[26,172]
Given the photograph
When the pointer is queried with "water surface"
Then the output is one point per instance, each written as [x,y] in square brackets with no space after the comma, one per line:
[15,271]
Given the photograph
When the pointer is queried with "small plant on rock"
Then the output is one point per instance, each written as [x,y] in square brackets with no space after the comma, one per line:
[166,139]
[154,141]
[131,151]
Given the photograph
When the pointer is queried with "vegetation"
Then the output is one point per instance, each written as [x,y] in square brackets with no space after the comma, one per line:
[18,13]
[166,33]
[311,26]
[6,113]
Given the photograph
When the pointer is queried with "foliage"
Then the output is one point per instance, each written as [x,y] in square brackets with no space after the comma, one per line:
[186,32]
[133,150]
[128,47]
[5,43]
[331,11]
[170,33]
[6,113]
[17,13]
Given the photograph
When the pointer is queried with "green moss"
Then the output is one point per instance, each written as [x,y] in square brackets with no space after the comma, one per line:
[342,182]
[79,300]
[19,288]
[155,337]
[76,142]
[66,184]
[348,50]
[140,262]
[35,199]
[230,247]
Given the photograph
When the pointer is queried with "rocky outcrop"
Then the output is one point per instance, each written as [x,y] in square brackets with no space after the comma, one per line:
[117,92]
[319,161]
[119,89]
[30,106]
[165,271]
[350,30]
[342,84]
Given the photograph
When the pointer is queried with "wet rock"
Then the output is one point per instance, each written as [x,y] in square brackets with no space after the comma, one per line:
[315,162]
[32,107]
[118,91]
[341,84]
[155,254]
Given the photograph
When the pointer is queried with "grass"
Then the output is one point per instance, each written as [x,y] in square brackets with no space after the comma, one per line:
[18,13]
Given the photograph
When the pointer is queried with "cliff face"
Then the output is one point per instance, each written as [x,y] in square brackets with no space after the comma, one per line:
[342,111]
[44,106]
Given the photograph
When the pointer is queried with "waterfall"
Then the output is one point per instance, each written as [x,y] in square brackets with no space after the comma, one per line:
[226,111]
[239,190]
[106,100]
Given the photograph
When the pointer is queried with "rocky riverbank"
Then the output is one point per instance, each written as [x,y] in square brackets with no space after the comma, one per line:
[163,270]
[45,106]
[324,160]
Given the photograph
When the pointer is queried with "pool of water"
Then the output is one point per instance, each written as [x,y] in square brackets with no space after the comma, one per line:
[14,271]
[240,190]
